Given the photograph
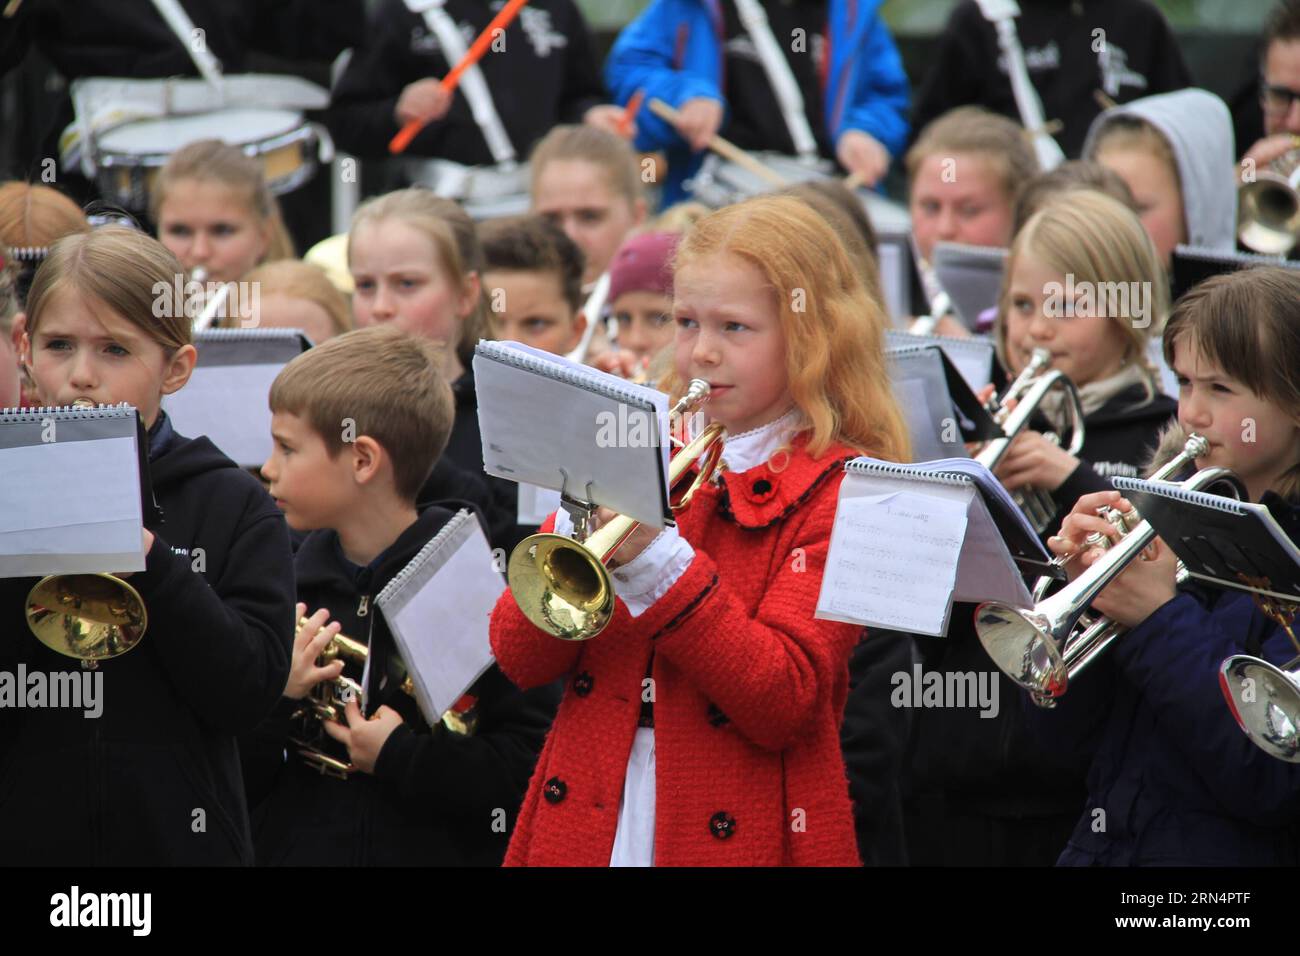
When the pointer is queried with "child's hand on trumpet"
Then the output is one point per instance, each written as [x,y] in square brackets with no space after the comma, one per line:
[363,738]
[1142,587]
[308,642]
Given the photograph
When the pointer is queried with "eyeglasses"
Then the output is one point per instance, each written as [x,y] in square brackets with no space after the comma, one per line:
[1277,100]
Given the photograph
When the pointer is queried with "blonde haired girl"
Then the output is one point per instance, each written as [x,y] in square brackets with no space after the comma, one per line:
[1083,282]
[214,210]
[165,742]
[295,294]
[717,613]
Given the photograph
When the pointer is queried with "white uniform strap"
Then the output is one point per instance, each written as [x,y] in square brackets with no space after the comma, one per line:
[472,83]
[779,74]
[1002,13]
[183,27]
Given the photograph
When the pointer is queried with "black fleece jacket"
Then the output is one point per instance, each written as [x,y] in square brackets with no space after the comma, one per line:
[546,74]
[156,779]
[436,799]
[992,766]
[1073,48]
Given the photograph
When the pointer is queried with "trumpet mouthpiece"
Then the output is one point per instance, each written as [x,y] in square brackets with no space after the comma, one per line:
[1196,446]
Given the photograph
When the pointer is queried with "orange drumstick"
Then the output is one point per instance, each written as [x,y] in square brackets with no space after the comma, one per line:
[625,121]
[452,79]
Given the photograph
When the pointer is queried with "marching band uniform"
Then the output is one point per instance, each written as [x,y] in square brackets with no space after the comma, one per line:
[432,797]
[155,780]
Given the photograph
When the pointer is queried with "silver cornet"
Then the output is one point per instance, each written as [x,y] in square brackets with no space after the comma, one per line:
[1042,649]
[1268,209]
[1034,383]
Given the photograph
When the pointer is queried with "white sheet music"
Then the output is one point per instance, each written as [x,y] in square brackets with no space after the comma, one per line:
[227,403]
[893,560]
[535,504]
[70,506]
[438,614]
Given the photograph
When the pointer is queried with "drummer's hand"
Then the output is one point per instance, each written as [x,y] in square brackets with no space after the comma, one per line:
[423,100]
[610,119]
[862,153]
[698,121]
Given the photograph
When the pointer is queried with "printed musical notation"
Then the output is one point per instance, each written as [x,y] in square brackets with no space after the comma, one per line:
[893,560]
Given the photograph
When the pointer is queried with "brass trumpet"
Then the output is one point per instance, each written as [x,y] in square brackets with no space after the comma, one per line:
[1034,383]
[90,617]
[1268,209]
[1042,649]
[328,699]
[562,585]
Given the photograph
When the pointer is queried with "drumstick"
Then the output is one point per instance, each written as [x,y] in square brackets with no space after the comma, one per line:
[722,147]
[629,114]
[452,79]
[853,180]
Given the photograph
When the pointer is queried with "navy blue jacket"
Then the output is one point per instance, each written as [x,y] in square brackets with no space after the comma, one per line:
[1174,781]
[674,52]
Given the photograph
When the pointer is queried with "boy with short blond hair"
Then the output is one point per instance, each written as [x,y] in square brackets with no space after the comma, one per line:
[358,423]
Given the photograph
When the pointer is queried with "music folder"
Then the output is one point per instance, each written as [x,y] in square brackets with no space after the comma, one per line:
[76,490]
[972,277]
[973,357]
[941,410]
[1194,264]
[437,609]
[573,429]
[909,540]
[225,398]
[1222,541]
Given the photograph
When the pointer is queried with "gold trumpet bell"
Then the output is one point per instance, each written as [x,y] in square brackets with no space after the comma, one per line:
[566,588]
[91,617]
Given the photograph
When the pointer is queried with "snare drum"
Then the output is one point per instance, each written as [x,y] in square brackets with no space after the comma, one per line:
[721,182]
[484,192]
[127,158]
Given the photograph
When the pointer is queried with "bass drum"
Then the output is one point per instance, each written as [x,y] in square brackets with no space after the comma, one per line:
[484,192]
[127,158]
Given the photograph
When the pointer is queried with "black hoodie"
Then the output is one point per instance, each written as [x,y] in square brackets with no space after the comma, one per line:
[976,780]
[436,799]
[1073,48]
[155,780]
[546,74]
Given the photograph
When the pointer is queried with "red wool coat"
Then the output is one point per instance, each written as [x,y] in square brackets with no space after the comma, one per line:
[749,692]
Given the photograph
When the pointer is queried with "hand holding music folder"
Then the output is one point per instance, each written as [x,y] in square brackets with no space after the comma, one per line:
[909,540]
[75,490]
[1221,541]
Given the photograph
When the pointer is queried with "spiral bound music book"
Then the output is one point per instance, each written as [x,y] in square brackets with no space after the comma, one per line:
[73,490]
[568,427]
[1224,542]
[972,357]
[971,275]
[942,412]
[909,540]
[225,398]
[1194,264]
[437,610]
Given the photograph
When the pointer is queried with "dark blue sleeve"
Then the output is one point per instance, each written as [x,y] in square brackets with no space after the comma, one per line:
[1174,657]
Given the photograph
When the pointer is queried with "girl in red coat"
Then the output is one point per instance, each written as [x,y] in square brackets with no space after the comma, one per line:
[701,728]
